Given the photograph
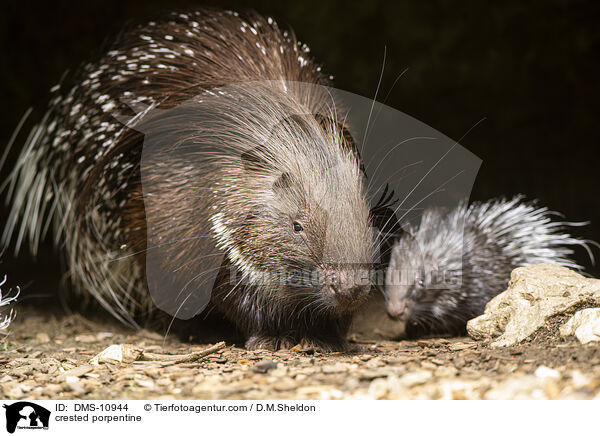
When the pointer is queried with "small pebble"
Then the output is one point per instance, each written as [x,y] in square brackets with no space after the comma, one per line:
[545,372]
[264,366]
[42,338]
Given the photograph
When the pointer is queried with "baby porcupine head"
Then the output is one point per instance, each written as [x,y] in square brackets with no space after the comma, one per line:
[424,277]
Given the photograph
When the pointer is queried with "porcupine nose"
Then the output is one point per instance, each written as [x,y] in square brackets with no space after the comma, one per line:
[397,310]
[351,294]
[346,289]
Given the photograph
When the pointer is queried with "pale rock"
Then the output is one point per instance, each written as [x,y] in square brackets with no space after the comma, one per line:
[397,388]
[456,389]
[545,372]
[382,388]
[74,384]
[123,353]
[415,378]
[535,293]
[26,387]
[580,380]
[321,391]
[42,338]
[334,369]
[446,371]
[526,387]
[279,372]
[374,363]
[283,385]
[145,383]
[13,391]
[87,338]
[78,371]
[6,379]
[585,325]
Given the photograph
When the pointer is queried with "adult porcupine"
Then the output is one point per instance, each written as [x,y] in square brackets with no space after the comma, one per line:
[269,197]
[443,273]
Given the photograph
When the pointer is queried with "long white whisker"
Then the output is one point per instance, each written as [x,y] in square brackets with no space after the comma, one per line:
[374,100]
[431,169]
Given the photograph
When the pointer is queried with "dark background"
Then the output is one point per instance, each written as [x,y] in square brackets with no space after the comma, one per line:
[531,68]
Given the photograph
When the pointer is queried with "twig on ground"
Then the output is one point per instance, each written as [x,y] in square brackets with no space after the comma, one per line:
[175,359]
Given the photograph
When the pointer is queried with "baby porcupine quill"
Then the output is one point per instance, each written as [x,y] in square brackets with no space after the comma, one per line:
[443,273]
[270,200]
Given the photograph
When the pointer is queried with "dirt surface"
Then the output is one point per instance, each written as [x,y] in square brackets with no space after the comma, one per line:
[47,357]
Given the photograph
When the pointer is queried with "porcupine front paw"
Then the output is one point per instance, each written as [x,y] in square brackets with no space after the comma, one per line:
[274,343]
[322,345]
[267,342]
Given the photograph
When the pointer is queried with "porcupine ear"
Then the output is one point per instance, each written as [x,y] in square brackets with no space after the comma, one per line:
[283,182]
[254,162]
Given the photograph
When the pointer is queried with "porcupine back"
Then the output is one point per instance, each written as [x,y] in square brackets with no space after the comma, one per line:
[79,171]
[501,235]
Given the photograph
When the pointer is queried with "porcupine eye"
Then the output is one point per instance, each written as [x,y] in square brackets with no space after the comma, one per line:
[420,283]
[297,227]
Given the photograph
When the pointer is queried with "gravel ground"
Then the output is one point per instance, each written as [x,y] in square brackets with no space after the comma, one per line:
[47,357]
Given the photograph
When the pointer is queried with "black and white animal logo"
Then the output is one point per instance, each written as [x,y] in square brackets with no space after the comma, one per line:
[26,415]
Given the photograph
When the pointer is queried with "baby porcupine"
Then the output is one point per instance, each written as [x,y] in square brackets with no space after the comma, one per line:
[269,199]
[443,273]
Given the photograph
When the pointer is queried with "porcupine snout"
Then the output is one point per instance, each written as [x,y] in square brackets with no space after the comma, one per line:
[398,309]
[347,287]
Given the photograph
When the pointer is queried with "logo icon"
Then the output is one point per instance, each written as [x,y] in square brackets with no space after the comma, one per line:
[26,415]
